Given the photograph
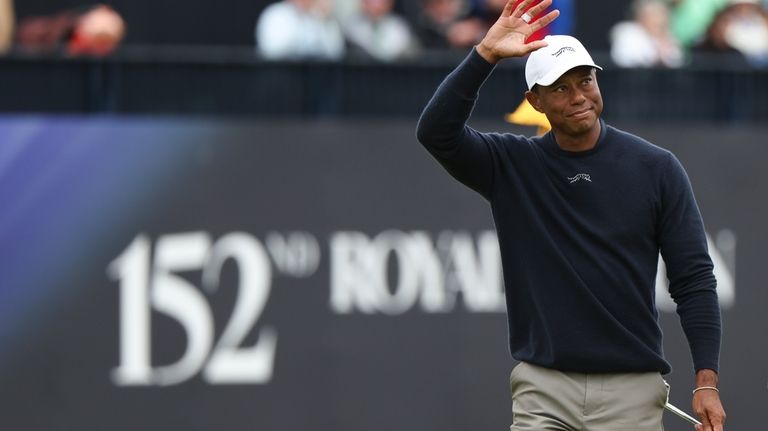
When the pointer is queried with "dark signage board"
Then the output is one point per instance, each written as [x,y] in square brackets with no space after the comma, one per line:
[209,274]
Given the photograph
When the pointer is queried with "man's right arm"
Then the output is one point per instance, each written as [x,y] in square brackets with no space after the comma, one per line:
[442,129]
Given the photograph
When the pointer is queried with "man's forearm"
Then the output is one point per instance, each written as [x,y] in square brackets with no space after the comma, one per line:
[700,319]
[444,117]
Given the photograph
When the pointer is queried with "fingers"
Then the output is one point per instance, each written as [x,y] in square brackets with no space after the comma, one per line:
[539,8]
[710,410]
[508,8]
[716,419]
[711,421]
[701,412]
[521,8]
[533,46]
[545,20]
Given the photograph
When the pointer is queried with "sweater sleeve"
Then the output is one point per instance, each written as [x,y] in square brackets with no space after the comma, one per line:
[442,129]
[692,283]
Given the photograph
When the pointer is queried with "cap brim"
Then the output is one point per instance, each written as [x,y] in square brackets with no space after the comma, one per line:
[555,74]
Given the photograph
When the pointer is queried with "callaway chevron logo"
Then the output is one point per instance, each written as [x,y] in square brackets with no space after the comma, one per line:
[562,50]
[578,177]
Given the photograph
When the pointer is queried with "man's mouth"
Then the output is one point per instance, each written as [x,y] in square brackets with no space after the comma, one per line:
[580,113]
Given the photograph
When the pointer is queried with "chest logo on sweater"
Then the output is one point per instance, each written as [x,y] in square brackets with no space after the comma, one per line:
[579,177]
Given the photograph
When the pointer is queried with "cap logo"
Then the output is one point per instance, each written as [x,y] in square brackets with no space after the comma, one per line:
[562,50]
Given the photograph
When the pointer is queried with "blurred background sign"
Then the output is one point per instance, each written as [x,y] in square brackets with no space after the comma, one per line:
[239,274]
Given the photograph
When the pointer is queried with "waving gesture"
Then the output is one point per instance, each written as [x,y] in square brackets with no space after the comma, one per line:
[506,38]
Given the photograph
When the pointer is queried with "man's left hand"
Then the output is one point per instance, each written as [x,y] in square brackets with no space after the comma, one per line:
[706,402]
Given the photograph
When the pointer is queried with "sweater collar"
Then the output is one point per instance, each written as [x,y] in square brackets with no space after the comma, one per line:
[550,144]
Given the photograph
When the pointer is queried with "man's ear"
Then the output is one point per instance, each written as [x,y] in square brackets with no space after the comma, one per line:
[533,98]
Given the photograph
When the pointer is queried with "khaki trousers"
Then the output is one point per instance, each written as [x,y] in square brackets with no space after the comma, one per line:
[545,399]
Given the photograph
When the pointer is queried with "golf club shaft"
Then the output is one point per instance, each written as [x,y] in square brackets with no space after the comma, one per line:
[682,414]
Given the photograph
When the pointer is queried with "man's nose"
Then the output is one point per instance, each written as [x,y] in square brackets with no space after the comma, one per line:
[578,97]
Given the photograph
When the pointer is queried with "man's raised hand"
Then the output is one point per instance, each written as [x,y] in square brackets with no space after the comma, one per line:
[506,38]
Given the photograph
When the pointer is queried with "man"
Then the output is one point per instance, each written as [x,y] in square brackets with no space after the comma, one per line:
[95,30]
[581,213]
[299,29]
[378,32]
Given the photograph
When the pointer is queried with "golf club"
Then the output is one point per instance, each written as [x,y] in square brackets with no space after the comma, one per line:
[681,413]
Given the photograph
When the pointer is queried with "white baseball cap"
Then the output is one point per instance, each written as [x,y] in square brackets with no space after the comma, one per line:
[563,53]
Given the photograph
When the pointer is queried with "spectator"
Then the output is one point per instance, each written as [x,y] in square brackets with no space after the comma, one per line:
[646,41]
[7,20]
[93,30]
[378,32]
[741,27]
[747,30]
[444,24]
[691,18]
[299,29]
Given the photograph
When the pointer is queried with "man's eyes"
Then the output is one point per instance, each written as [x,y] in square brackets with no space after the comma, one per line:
[563,88]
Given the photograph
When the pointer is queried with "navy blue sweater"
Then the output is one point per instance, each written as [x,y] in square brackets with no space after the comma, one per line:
[580,235]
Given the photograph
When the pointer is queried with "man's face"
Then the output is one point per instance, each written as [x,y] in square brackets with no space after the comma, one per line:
[572,104]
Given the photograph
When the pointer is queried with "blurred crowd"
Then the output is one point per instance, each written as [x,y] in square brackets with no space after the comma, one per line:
[382,30]
[670,33]
[656,33]
[94,30]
